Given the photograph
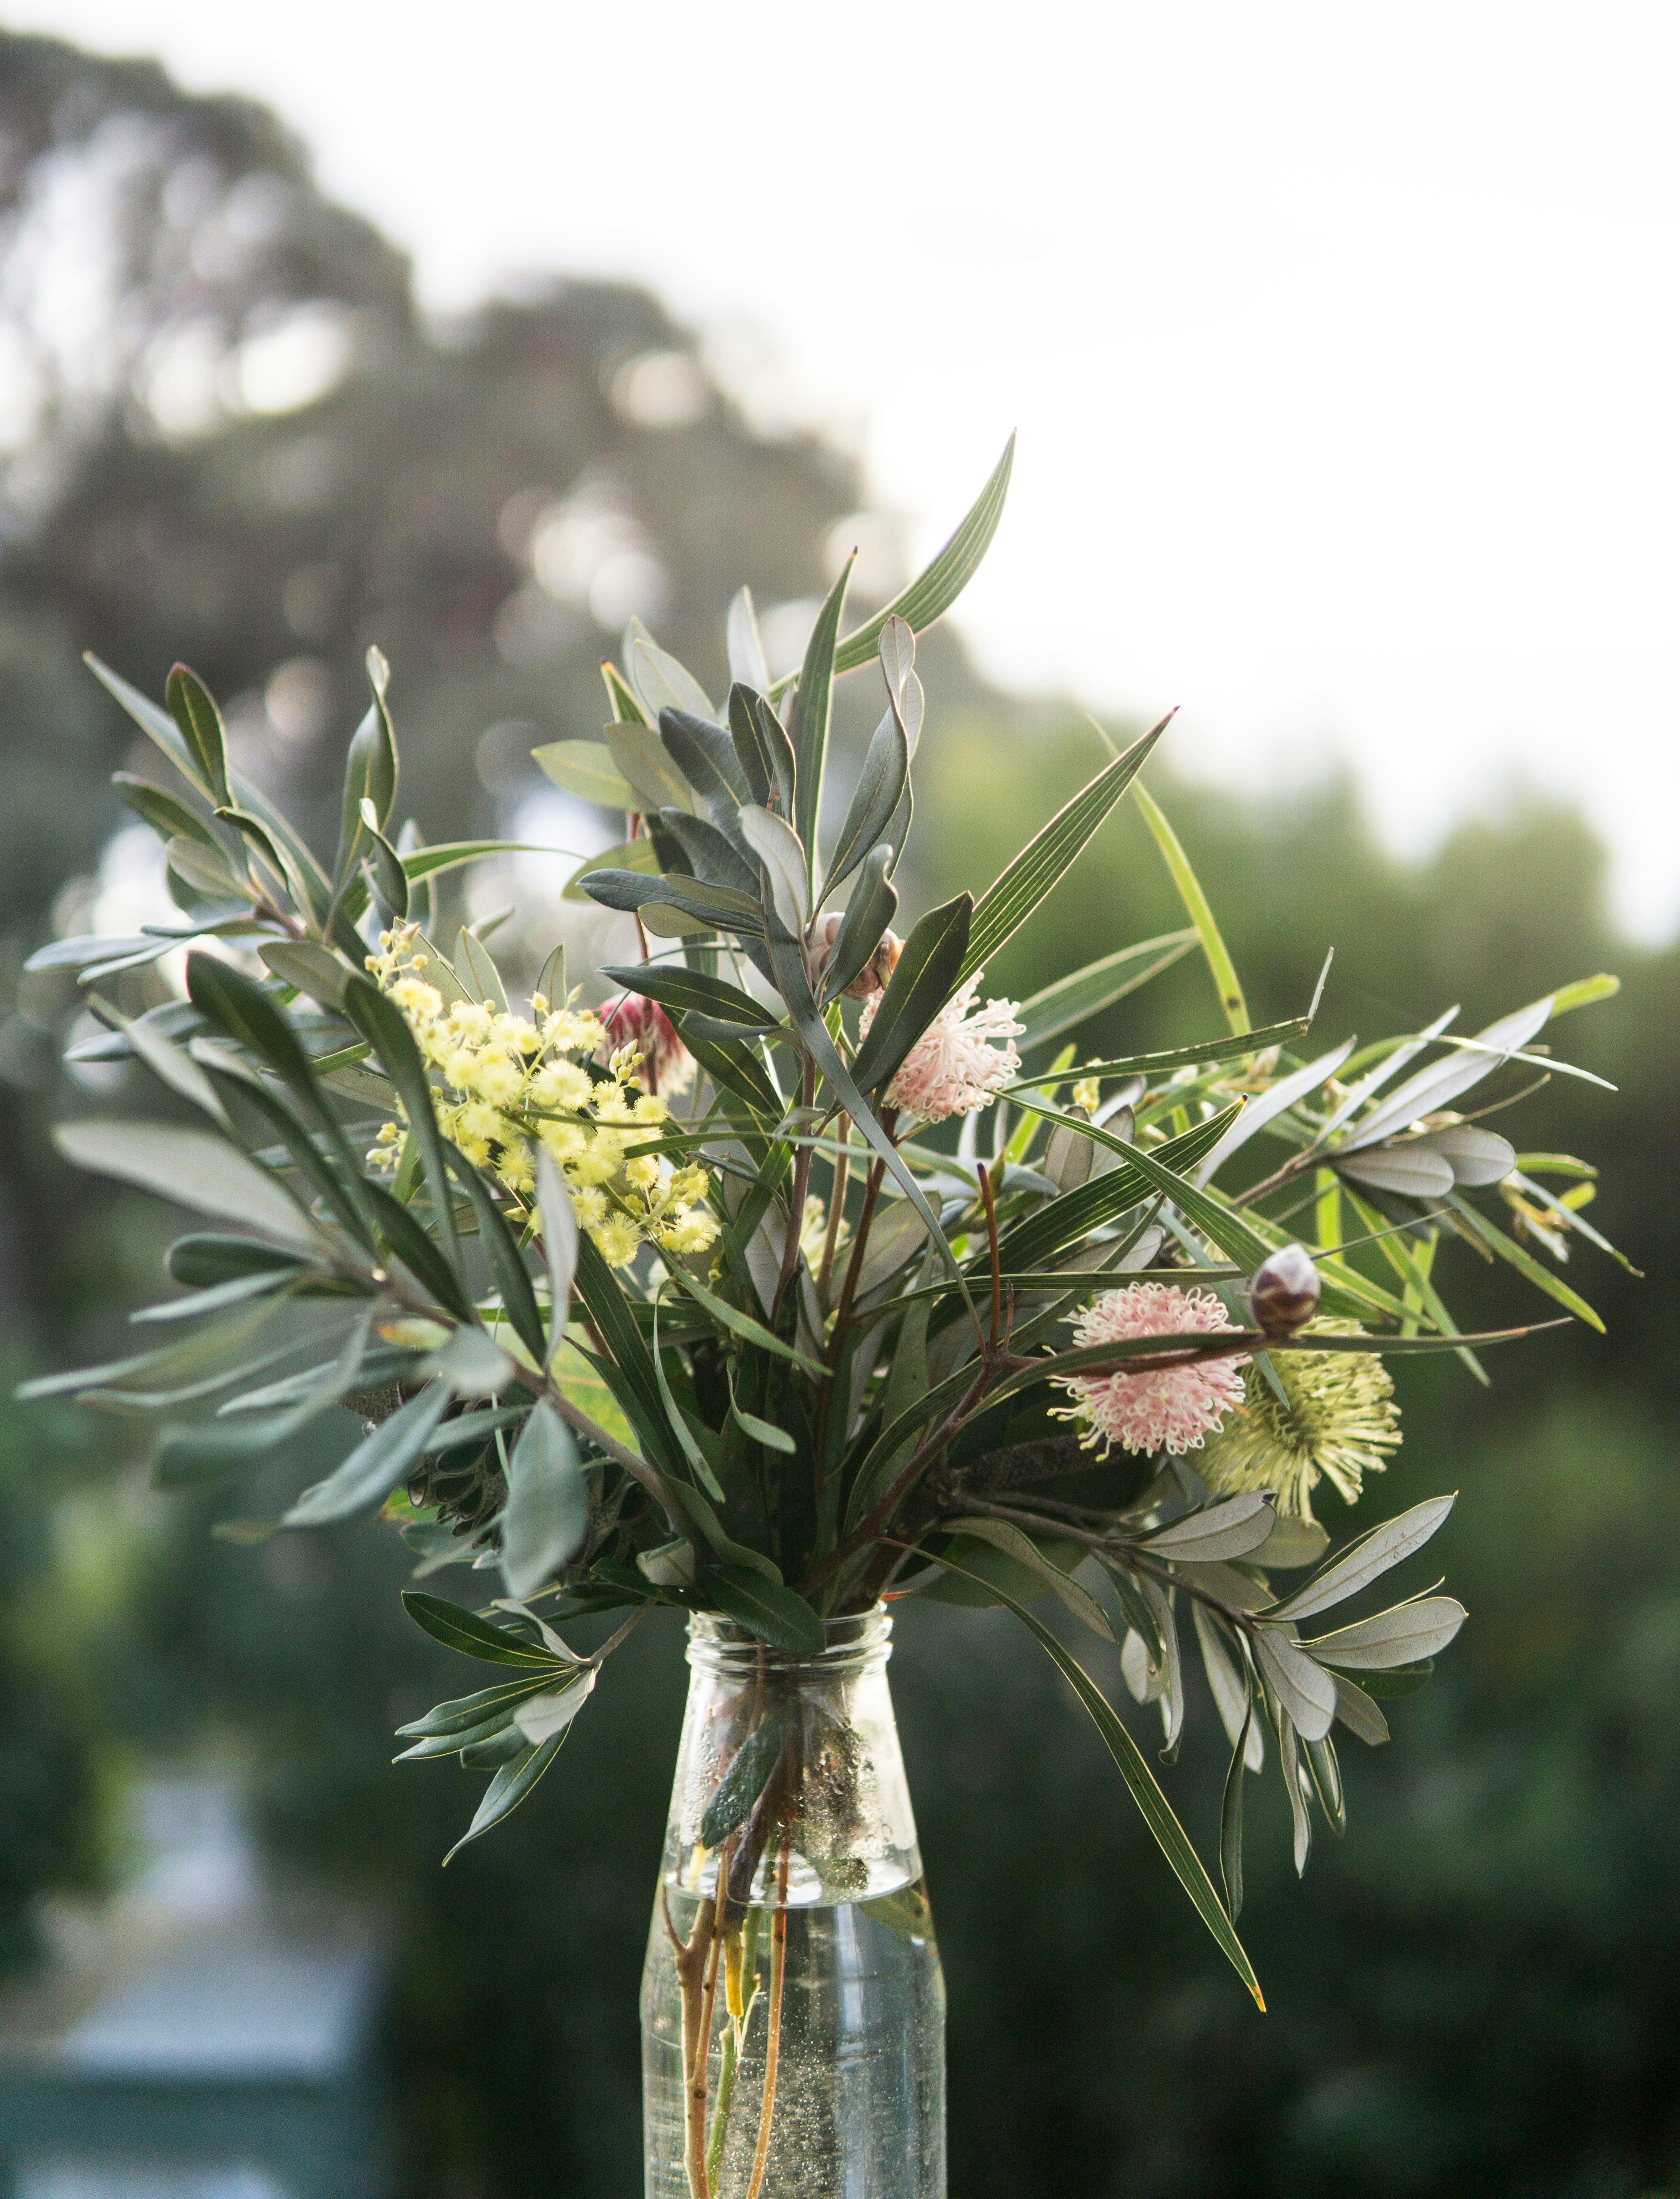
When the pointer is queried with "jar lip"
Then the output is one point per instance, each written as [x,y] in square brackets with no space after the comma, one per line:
[714,1636]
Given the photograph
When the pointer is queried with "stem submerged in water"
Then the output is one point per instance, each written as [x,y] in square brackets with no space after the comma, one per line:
[772,2047]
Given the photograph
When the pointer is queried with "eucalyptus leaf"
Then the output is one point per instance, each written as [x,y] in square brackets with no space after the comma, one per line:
[1407,1634]
[776,1614]
[587,769]
[1373,1555]
[645,764]
[1444,1081]
[367,1477]
[747,666]
[777,848]
[1231,1691]
[560,1244]
[1158,1815]
[1358,1713]
[1411,1170]
[886,766]
[872,908]
[740,1787]
[1234,1528]
[200,724]
[190,1167]
[1002,1535]
[1267,1105]
[309,969]
[660,681]
[809,721]
[1304,1689]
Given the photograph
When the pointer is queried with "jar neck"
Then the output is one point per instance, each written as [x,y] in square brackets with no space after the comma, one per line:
[859,1643]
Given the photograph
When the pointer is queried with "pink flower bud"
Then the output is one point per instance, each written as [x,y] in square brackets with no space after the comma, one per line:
[876,974]
[1284,1295]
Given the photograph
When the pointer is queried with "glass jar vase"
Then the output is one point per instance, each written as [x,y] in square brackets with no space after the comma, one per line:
[793,2008]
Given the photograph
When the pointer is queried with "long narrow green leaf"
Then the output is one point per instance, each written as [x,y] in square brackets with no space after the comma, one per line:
[1219,962]
[1157,1811]
[808,728]
[1085,993]
[1022,885]
[1068,1220]
[408,1242]
[510,1787]
[191,1167]
[938,585]
[741,1324]
[1175,1057]
[450,855]
[926,976]
[377,1465]
[1227,1228]
[248,1015]
[168,816]
[779,1616]
[382,1023]
[457,1628]
[1525,1264]
[200,727]
[1231,1808]
[695,992]
[610,1310]
[156,723]
[721,908]
[519,1300]
[309,1162]
[886,766]
[734,1066]
[789,963]
[872,908]
[698,1464]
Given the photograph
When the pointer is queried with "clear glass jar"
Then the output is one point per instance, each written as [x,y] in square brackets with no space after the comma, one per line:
[793,2008]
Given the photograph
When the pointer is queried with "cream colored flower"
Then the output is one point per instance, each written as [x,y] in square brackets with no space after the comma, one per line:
[954,1067]
[1340,1424]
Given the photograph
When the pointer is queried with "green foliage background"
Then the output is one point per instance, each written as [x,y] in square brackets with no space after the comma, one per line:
[1483,1983]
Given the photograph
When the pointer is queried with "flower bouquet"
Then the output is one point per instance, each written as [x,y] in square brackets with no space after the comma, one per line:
[779,1275]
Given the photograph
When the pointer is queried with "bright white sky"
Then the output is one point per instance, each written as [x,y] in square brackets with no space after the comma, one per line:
[1344,342]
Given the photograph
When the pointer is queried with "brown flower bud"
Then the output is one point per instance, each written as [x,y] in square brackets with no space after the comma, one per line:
[1284,1295]
[876,974]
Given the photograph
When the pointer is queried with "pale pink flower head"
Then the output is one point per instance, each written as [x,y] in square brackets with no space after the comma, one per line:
[1171,1409]
[635,1020]
[958,1063]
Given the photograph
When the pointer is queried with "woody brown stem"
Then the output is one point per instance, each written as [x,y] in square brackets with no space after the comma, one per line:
[836,1205]
[692,1956]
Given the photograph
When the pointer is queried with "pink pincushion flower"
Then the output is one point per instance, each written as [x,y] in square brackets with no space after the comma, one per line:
[635,1020]
[1171,1409]
[954,1068]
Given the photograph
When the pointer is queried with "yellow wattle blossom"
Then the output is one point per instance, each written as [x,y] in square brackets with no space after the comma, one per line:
[507,1084]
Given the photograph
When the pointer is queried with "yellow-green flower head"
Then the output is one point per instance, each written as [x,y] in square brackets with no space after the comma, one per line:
[1340,1424]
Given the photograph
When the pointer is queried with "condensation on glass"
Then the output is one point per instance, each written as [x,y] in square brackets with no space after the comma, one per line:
[793,2009]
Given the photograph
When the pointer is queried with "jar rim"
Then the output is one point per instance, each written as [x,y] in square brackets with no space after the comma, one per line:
[714,1638]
